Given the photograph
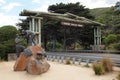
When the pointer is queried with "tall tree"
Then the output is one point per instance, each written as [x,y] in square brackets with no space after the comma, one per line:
[85,35]
[74,8]
[7,36]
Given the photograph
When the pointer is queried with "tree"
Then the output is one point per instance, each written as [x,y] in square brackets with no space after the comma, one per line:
[74,8]
[7,36]
[117,7]
[84,35]
[111,38]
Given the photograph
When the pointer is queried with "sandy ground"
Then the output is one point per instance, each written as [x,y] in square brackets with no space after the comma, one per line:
[57,71]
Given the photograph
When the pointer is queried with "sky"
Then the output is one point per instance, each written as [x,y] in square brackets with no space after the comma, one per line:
[10,9]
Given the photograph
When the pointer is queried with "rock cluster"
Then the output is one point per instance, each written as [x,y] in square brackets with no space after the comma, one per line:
[33,64]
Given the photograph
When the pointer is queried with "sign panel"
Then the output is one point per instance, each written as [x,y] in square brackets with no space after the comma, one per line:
[71,24]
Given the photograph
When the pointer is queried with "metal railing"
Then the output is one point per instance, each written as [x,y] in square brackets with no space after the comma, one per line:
[90,51]
[78,59]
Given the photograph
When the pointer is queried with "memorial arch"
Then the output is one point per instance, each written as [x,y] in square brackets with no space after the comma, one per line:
[67,19]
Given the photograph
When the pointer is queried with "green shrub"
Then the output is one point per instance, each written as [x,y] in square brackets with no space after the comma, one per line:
[67,61]
[87,65]
[58,46]
[98,68]
[117,46]
[118,76]
[111,38]
[7,36]
[2,51]
[107,64]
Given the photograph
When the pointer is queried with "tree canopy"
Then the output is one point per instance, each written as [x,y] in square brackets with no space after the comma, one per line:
[111,18]
[7,36]
[74,8]
[56,31]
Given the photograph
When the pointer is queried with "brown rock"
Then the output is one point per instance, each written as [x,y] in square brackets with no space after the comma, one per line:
[45,66]
[34,67]
[33,64]
[21,62]
[35,49]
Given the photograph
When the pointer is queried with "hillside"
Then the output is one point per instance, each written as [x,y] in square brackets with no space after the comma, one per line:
[99,12]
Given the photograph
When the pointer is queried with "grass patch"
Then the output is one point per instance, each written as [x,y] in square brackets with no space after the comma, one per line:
[118,76]
[67,61]
[98,68]
[104,66]
[87,65]
[107,64]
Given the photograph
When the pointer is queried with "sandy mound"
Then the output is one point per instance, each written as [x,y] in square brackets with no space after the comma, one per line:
[57,71]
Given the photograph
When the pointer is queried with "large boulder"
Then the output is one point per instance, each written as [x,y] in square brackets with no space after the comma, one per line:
[21,62]
[31,61]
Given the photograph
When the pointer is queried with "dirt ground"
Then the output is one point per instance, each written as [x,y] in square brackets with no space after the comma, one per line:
[57,71]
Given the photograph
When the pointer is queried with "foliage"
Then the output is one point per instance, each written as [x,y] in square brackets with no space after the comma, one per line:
[50,45]
[54,30]
[107,64]
[74,8]
[87,65]
[24,24]
[7,36]
[2,51]
[7,32]
[98,68]
[111,38]
[67,61]
[118,76]
[111,18]
[117,46]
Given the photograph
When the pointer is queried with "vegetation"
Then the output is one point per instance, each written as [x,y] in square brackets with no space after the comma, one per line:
[104,66]
[110,17]
[107,64]
[7,36]
[67,61]
[98,68]
[57,45]
[52,30]
[118,76]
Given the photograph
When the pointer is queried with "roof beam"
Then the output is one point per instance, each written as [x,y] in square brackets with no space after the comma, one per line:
[62,17]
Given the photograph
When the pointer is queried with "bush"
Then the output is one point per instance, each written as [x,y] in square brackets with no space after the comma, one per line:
[118,76]
[117,46]
[67,61]
[107,64]
[58,46]
[98,68]
[111,38]
[7,36]
[2,51]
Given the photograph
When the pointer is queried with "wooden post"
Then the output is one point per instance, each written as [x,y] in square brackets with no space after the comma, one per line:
[64,40]
[39,30]
[30,24]
[97,38]
[33,24]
